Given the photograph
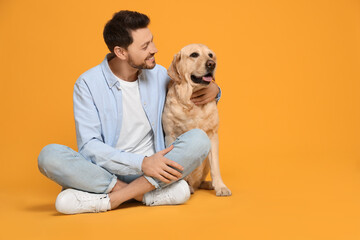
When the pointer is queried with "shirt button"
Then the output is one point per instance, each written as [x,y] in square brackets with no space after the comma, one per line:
[144,103]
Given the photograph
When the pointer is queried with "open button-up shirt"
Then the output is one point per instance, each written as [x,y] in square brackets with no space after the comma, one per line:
[98,115]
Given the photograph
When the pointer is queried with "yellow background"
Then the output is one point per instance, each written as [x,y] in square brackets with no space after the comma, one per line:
[290,114]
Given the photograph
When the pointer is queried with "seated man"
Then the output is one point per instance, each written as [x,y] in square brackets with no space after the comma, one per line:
[118,106]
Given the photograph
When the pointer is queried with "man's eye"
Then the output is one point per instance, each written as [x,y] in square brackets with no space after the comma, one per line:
[194,55]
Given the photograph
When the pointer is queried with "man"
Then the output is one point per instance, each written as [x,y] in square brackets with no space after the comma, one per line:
[117,107]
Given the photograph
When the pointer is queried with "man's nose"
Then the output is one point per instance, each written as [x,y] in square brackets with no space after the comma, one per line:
[153,48]
[210,64]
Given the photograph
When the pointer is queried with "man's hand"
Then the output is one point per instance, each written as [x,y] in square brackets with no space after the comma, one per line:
[205,95]
[160,167]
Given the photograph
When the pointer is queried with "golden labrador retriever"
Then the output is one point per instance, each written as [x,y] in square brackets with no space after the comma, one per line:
[192,69]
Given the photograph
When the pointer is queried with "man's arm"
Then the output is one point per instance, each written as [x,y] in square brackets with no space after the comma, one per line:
[206,95]
[90,140]
[92,146]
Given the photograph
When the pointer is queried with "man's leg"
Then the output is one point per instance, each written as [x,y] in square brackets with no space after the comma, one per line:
[190,149]
[136,189]
[70,169]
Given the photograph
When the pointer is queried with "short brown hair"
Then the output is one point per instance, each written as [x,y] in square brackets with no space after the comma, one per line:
[117,31]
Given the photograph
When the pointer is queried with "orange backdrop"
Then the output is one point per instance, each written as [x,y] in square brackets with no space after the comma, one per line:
[289,114]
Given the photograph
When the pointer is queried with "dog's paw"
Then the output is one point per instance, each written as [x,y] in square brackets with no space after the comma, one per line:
[222,191]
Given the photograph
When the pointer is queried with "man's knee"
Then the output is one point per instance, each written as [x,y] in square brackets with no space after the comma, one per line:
[199,142]
[192,148]
[49,158]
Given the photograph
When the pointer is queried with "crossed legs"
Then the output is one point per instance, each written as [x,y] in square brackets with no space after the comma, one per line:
[71,170]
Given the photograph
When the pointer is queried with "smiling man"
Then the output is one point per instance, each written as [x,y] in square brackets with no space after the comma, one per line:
[118,106]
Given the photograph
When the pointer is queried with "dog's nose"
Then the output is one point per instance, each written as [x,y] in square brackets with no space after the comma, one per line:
[210,64]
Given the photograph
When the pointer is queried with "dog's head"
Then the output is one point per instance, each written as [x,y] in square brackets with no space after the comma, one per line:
[195,63]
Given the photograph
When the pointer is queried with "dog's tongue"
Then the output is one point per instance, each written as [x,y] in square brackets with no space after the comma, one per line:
[207,79]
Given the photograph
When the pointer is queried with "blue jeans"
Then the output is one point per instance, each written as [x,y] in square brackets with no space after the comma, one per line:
[70,169]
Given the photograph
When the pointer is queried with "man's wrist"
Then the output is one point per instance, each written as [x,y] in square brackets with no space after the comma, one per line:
[218,96]
[142,163]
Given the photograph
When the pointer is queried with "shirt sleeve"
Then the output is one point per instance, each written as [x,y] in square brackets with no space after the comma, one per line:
[218,96]
[90,139]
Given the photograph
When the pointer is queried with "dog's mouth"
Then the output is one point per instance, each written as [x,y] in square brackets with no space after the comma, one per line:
[206,79]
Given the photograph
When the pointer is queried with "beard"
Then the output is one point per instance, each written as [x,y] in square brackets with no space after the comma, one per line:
[143,65]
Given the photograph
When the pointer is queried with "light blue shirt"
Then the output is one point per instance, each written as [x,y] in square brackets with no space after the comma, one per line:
[98,115]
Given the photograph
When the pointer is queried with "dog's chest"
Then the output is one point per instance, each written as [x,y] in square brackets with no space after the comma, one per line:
[183,118]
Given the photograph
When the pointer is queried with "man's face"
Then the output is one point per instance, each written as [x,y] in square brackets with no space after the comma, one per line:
[141,52]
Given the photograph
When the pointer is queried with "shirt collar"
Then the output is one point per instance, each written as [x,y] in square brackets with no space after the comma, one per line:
[111,79]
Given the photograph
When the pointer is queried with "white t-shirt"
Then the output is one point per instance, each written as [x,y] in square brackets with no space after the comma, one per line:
[136,135]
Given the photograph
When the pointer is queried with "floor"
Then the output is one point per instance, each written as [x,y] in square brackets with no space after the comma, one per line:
[288,202]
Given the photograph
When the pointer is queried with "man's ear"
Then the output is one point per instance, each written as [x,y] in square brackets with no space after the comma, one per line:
[173,71]
[120,52]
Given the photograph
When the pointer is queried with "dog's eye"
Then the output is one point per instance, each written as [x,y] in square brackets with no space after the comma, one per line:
[210,55]
[194,55]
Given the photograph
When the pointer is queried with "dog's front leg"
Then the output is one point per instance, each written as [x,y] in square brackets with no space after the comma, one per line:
[218,184]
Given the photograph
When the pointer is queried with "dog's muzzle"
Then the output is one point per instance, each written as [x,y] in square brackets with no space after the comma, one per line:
[207,78]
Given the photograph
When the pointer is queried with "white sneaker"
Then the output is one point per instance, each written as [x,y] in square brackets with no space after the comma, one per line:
[176,193]
[71,201]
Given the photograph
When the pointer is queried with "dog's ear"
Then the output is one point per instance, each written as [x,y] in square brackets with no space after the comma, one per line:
[173,70]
